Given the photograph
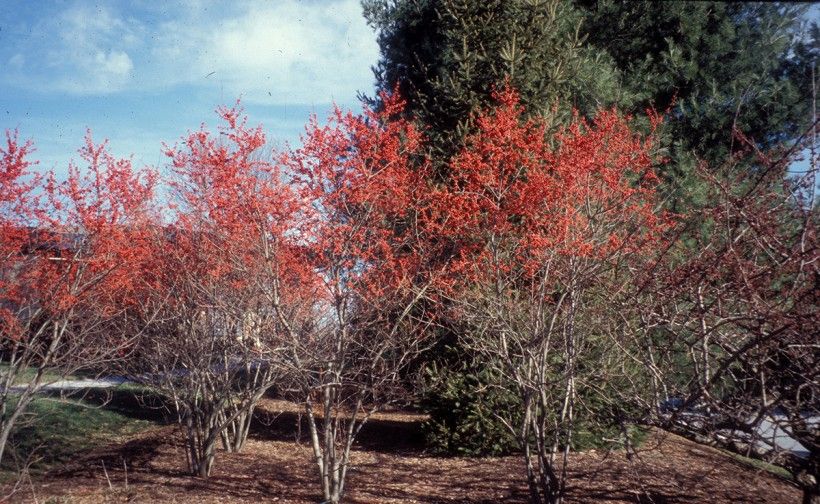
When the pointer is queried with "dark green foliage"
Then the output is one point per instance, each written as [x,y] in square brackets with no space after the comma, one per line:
[464,405]
[714,65]
[447,56]
[463,408]
[724,65]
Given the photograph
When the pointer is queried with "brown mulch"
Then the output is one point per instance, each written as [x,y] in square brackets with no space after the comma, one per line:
[391,467]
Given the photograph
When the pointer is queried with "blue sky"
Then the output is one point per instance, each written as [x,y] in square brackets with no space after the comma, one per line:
[143,72]
[140,72]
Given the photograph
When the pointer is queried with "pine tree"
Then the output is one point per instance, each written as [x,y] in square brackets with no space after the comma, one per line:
[718,65]
[713,65]
[722,65]
[446,57]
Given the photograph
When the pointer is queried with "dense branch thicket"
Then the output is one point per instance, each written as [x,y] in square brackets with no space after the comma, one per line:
[64,273]
[326,271]
[367,226]
[545,237]
[212,299]
[729,322]
[714,66]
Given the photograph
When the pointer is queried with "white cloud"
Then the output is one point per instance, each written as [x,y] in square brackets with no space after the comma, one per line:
[283,52]
[114,62]
[17,61]
[280,52]
[80,50]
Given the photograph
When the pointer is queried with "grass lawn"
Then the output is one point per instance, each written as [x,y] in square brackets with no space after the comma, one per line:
[27,374]
[56,429]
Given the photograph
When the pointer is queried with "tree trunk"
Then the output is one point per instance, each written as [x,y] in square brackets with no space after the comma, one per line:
[4,437]
[201,445]
[806,477]
[809,485]
[242,425]
[7,423]
[206,462]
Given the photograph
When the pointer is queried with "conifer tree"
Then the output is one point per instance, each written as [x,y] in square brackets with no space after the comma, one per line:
[716,66]
[447,56]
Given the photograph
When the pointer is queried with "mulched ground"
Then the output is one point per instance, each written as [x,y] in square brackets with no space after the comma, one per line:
[390,467]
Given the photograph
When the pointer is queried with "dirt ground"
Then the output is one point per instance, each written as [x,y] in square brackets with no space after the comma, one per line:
[391,467]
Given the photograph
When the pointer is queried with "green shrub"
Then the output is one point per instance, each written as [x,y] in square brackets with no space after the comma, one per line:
[463,409]
[464,402]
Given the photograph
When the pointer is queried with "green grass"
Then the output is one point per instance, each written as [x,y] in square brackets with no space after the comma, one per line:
[27,374]
[57,430]
[759,464]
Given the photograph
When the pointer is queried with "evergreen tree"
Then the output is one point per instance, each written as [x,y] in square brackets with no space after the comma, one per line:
[714,65]
[717,65]
[723,65]
[446,56]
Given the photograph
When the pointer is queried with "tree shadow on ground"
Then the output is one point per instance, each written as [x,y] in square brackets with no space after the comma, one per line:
[127,401]
[468,481]
[637,485]
[378,434]
[132,455]
[390,466]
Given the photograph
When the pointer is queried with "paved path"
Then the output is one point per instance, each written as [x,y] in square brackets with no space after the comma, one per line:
[107,382]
